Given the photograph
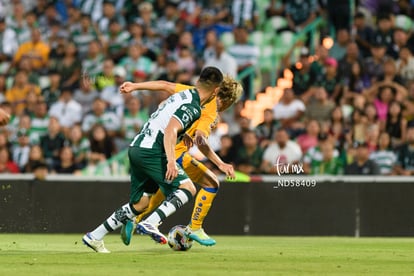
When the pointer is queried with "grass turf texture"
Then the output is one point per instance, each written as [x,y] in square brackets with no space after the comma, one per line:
[32,254]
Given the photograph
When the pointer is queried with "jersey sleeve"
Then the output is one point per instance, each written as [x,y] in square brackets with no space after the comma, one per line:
[187,114]
[208,118]
[181,87]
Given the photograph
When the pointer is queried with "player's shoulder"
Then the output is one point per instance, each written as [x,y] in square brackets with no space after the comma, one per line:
[179,87]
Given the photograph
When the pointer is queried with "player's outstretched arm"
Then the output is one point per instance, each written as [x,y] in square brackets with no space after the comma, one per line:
[128,87]
[204,147]
[4,117]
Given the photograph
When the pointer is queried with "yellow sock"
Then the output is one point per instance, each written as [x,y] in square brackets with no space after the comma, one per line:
[202,205]
[154,202]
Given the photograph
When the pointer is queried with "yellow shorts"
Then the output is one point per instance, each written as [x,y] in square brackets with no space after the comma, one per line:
[193,168]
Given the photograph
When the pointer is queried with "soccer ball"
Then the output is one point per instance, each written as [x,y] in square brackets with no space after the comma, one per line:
[177,239]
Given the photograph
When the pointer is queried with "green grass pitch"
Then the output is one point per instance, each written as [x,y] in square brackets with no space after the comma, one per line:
[33,254]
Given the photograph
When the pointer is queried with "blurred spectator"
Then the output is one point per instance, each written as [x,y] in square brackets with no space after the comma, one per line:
[396,124]
[346,63]
[338,50]
[329,78]
[400,41]
[36,50]
[51,93]
[80,146]
[66,110]
[18,22]
[372,116]
[69,68]
[245,54]
[362,34]
[147,20]
[390,72]
[102,145]
[275,8]
[85,95]
[35,156]
[282,152]
[354,84]
[405,154]
[320,108]
[52,142]
[66,162]
[133,120]
[106,77]
[17,94]
[116,41]
[384,32]
[20,153]
[109,14]
[100,115]
[135,61]
[382,93]
[373,65]
[300,13]
[189,11]
[289,111]
[166,22]
[171,71]
[384,156]
[265,130]
[249,156]
[111,95]
[93,61]
[6,164]
[338,129]
[8,44]
[237,139]
[314,154]
[405,65]
[84,36]
[362,164]
[329,164]
[359,123]
[303,76]
[185,60]
[245,13]
[309,139]
[224,152]
[40,121]
[221,59]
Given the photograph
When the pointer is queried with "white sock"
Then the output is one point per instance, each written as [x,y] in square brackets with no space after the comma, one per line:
[115,221]
[169,206]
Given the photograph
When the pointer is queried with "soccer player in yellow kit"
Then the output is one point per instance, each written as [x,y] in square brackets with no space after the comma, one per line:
[230,90]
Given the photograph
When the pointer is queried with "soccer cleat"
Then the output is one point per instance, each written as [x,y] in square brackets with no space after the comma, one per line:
[127,230]
[200,236]
[146,228]
[96,245]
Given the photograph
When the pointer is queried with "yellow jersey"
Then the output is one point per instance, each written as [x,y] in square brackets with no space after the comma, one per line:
[205,123]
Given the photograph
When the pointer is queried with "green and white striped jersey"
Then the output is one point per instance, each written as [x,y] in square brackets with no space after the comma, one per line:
[184,106]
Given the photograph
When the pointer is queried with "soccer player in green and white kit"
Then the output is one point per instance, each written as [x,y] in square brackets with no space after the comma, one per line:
[153,161]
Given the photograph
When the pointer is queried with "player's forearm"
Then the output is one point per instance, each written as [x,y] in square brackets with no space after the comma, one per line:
[210,154]
[170,139]
[155,86]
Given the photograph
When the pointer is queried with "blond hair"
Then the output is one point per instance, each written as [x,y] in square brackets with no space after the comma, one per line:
[230,90]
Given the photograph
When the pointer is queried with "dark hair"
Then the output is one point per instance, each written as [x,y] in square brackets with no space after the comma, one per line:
[211,76]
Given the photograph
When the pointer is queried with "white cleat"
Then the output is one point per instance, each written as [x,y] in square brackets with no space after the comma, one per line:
[96,245]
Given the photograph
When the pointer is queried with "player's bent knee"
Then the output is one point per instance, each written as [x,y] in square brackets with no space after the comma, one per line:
[209,180]
[142,204]
[189,186]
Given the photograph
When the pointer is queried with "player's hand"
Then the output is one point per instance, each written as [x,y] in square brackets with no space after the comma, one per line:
[188,141]
[172,171]
[228,170]
[126,87]
[4,117]
[200,138]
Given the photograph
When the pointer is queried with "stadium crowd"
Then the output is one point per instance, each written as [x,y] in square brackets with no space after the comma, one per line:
[349,111]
